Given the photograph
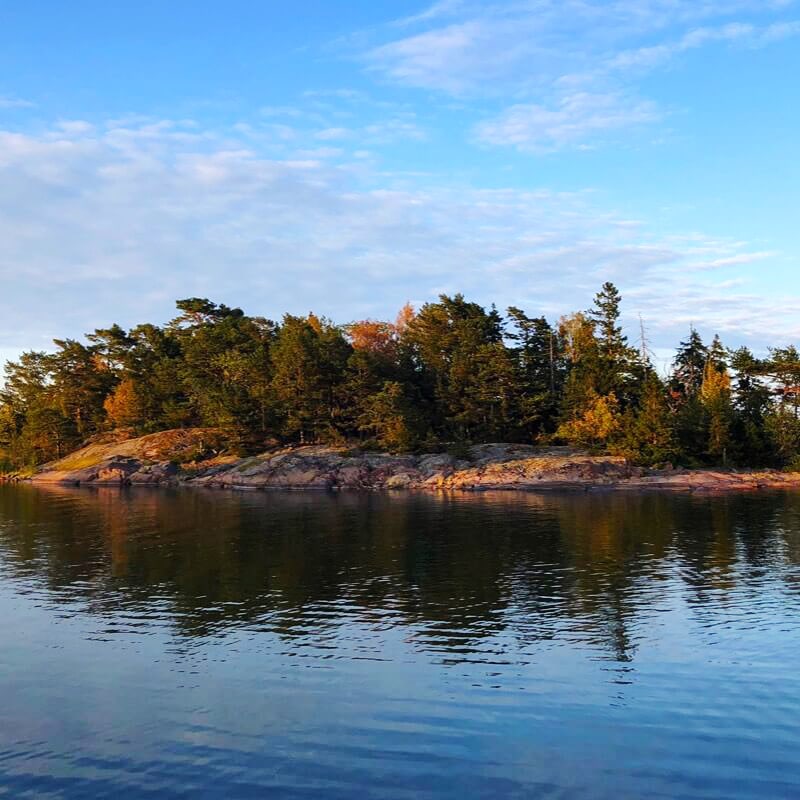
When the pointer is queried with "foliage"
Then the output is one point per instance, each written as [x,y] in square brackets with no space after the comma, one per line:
[596,426]
[451,372]
[123,406]
[391,416]
[648,432]
[715,393]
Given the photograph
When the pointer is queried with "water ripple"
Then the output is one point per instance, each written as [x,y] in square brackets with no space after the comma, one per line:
[183,644]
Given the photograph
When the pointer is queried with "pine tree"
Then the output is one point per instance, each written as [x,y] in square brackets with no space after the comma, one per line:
[450,372]
[689,364]
[392,417]
[783,367]
[309,360]
[540,365]
[615,356]
[648,434]
[718,354]
[443,341]
[751,405]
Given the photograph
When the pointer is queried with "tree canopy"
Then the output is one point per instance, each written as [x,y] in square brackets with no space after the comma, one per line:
[450,372]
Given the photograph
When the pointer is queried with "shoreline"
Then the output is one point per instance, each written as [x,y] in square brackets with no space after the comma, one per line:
[153,461]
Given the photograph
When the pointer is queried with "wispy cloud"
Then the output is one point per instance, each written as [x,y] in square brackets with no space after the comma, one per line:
[546,53]
[7,102]
[576,120]
[538,42]
[111,222]
[743,34]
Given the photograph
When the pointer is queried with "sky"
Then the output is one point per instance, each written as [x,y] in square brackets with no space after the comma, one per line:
[348,157]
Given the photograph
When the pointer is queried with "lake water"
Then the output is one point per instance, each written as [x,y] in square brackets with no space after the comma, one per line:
[192,644]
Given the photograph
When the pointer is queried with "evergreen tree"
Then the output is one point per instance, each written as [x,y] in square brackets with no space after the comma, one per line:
[615,357]
[309,359]
[648,433]
[752,403]
[718,354]
[782,431]
[393,419]
[444,339]
[689,365]
[225,367]
[450,373]
[783,367]
[540,367]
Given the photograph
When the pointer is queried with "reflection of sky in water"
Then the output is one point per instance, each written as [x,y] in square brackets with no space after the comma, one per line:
[398,645]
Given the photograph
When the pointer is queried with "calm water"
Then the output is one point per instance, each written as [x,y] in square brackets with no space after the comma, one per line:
[188,644]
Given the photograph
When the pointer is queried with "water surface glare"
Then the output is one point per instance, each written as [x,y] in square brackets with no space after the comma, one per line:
[191,644]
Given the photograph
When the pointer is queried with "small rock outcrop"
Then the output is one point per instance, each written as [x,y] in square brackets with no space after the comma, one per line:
[168,458]
[115,470]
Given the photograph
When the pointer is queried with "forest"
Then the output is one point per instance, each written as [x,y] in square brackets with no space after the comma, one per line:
[446,376]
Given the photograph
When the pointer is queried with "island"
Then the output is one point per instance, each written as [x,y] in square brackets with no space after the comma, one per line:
[450,397]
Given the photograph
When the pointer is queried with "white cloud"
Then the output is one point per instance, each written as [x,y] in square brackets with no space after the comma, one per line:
[328,134]
[744,34]
[537,42]
[575,120]
[545,53]
[115,223]
[14,102]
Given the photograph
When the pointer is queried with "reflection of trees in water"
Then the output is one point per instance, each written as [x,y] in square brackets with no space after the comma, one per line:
[457,568]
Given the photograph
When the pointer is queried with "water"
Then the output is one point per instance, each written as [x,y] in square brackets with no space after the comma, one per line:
[165,644]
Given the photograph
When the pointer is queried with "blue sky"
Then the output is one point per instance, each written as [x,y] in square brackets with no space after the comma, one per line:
[347,157]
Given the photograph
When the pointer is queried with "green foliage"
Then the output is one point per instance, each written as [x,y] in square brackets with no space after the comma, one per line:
[454,373]
[648,432]
[615,359]
[689,364]
[309,358]
[782,428]
[393,419]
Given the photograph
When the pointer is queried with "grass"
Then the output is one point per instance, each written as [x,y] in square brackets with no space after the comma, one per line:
[71,463]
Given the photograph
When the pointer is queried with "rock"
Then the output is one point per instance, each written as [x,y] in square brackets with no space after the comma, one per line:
[110,470]
[164,472]
[147,462]
[400,481]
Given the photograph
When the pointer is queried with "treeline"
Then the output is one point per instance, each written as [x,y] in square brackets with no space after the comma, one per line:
[451,374]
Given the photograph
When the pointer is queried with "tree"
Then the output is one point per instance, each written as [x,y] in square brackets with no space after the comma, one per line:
[453,373]
[225,368]
[648,434]
[539,362]
[123,406]
[392,418]
[752,402]
[615,357]
[596,426]
[783,367]
[718,354]
[443,340]
[715,393]
[309,358]
[34,425]
[689,365]
[782,431]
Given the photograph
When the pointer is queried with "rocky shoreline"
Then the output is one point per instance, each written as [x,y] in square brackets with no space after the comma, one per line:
[154,461]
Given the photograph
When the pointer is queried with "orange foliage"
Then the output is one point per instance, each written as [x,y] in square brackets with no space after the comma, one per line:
[123,406]
[404,317]
[372,336]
